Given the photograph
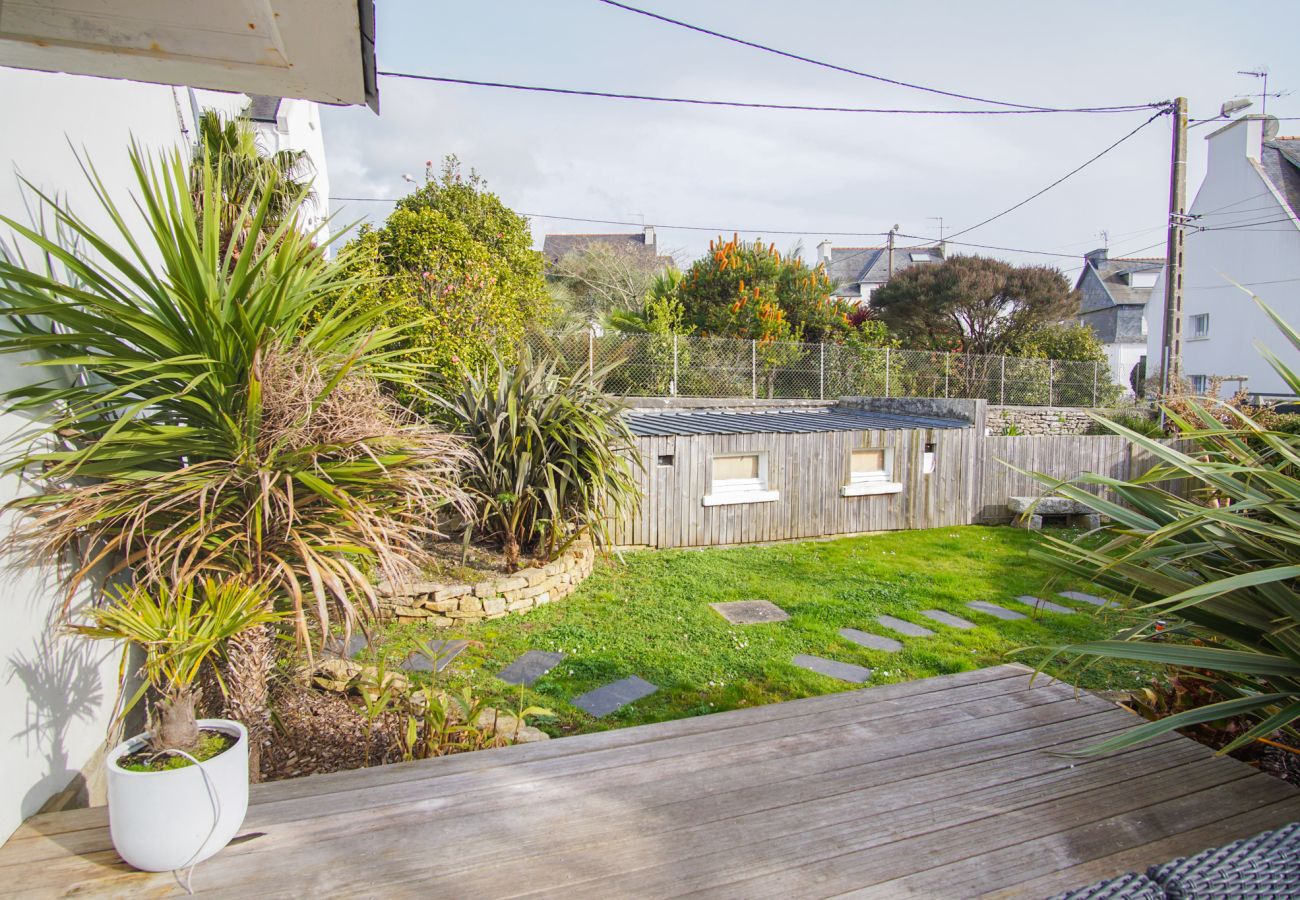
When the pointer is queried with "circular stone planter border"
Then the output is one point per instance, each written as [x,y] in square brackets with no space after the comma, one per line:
[443,604]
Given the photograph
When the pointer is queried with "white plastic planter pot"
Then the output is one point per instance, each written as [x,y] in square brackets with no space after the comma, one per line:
[162,821]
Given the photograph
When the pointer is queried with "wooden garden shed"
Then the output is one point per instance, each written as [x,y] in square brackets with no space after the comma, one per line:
[734,474]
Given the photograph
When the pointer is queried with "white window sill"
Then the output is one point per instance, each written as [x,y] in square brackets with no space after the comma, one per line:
[870,488]
[734,497]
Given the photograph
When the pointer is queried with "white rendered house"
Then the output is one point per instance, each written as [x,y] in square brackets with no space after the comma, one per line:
[1244,229]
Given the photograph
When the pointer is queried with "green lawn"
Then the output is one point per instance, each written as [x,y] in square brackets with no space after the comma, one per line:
[649,616]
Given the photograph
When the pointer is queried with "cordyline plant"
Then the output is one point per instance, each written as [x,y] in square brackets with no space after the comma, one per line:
[552,457]
[214,411]
[1209,536]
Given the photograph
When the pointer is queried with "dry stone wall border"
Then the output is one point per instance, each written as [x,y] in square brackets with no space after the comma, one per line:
[444,604]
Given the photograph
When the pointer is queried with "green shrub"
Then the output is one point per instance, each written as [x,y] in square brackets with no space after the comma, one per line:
[454,268]
[552,454]
[1210,537]
[1139,423]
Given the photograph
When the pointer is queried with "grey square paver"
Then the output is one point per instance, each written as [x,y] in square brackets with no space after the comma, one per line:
[1082,597]
[992,609]
[750,612]
[903,627]
[1039,603]
[334,646]
[871,641]
[944,618]
[530,667]
[605,700]
[841,670]
[438,656]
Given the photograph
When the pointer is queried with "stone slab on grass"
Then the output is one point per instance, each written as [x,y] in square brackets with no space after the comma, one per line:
[871,641]
[992,609]
[750,612]
[1040,604]
[356,644]
[902,626]
[437,657]
[841,670]
[530,667]
[944,618]
[605,700]
[1082,597]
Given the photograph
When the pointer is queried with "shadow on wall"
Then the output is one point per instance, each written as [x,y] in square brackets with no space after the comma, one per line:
[60,675]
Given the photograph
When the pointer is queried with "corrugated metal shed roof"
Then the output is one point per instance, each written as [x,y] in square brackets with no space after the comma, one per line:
[803,421]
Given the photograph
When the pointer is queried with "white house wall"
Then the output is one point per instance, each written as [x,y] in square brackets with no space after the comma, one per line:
[1265,258]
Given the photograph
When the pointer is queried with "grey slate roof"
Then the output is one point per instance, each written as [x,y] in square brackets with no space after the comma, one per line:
[1280,159]
[556,246]
[802,421]
[262,108]
[848,267]
[1102,284]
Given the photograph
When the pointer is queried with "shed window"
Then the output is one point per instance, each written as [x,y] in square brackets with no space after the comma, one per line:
[870,472]
[867,465]
[927,462]
[739,478]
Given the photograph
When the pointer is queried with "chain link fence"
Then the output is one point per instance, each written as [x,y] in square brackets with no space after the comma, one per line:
[645,365]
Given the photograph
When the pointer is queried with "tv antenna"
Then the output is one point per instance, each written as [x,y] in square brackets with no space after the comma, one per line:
[938,219]
[1105,238]
[1262,74]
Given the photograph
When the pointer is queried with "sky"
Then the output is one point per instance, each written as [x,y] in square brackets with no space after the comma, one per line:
[807,172]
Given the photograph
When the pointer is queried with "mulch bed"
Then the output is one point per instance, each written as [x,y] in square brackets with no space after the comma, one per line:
[319,731]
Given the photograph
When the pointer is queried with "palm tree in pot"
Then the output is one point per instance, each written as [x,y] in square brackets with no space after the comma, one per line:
[178,793]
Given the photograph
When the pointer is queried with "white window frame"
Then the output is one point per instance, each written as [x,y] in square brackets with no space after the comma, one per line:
[1199,334]
[865,484]
[729,491]
[928,457]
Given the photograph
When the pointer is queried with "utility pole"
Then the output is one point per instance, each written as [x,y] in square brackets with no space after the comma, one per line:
[1171,351]
[891,251]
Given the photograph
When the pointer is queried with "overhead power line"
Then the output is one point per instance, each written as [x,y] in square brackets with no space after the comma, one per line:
[739,104]
[1026,107]
[724,229]
[1070,174]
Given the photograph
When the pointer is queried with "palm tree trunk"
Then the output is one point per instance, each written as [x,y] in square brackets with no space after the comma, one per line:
[250,657]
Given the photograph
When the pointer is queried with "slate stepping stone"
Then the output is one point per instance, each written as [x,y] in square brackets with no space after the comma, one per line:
[605,700]
[1082,597]
[904,627]
[992,609]
[841,670]
[437,657]
[944,618]
[871,641]
[530,667]
[1041,604]
[750,612]
[357,643]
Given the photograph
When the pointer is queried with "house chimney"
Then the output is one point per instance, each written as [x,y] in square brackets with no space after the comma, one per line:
[649,236]
[1240,138]
[1096,256]
[824,252]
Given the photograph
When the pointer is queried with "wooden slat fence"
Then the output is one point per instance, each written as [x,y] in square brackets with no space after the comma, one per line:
[1064,457]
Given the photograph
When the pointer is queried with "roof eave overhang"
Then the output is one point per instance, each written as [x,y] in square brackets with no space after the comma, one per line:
[321,50]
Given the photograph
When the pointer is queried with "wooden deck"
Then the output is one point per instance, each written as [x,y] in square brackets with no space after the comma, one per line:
[947,787]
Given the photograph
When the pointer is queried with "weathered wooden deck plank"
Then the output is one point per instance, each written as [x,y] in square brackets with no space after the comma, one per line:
[952,786]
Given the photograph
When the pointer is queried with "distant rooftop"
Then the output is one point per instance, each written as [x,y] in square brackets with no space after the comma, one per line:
[557,246]
[800,421]
[850,267]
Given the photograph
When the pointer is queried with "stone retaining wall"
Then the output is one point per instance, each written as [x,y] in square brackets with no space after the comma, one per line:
[445,604]
[1039,420]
